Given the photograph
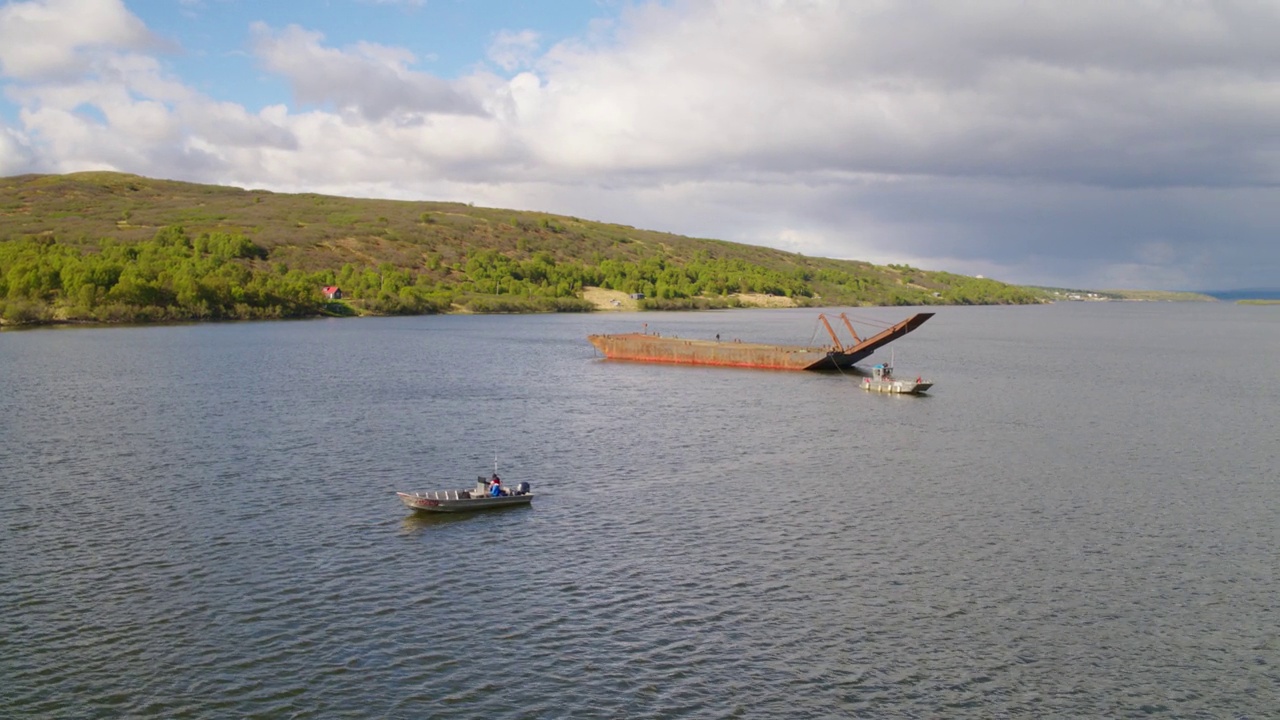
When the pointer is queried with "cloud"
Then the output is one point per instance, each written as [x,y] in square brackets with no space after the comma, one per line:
[1139,95]
[91,97]
[512,50]
[15,154]
[59,39]
[369,79]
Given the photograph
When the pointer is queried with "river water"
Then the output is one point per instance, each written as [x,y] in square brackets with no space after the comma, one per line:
[1081,520]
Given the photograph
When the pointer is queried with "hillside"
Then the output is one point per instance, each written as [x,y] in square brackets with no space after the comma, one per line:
[112,247]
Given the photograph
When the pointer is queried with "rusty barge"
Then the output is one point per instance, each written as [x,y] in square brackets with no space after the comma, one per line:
[647,347]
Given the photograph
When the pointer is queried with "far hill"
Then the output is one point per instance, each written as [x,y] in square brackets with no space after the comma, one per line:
[1262,294]
[1057,294]
[111,246]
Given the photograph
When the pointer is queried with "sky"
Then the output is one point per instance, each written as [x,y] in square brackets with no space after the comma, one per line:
[1089,144]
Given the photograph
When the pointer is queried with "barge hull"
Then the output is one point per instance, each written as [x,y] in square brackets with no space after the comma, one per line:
[652,348]
[643,347]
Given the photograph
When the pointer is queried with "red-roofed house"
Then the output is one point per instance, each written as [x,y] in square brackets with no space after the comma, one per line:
[333,292]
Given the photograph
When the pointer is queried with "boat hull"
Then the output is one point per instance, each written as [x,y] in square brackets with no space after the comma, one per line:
[645,347]
[457,501]
[897,387]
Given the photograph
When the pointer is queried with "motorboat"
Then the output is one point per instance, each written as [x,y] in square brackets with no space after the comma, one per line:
[486,494]
[883,380]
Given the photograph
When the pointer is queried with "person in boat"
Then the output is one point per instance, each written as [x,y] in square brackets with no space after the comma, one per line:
[495,485]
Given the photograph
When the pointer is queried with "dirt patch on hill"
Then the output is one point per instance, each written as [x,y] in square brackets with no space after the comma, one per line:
[618,300]
[760,300]
[609,299]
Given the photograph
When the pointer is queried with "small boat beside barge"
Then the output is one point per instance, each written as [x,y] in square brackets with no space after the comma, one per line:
[882,380]
[481,497]
[646,347]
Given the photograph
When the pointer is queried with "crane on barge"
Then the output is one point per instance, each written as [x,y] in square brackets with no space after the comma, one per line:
[836,338]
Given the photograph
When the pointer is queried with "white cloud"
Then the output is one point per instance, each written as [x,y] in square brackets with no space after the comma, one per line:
[369,79]
[104,104]
[57,39]
[15,154]
[512,50]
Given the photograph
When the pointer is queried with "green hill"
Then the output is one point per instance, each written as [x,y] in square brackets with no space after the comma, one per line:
[101,246]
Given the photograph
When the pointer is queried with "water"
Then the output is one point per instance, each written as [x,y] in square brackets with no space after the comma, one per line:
[1080,520]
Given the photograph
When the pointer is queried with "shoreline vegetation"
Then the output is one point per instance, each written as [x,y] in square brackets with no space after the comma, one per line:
[103,247]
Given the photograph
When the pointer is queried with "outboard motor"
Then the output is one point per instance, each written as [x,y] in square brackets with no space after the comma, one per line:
[522,488]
